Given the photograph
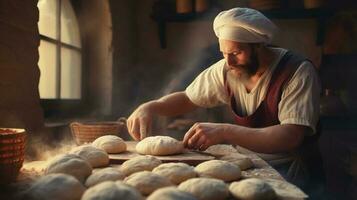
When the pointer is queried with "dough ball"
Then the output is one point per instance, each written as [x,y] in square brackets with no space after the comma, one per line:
[176,172]
[219,169]
[243,161]
[221,149]
[159,146]
[205,188]
[96,157]
[147,182]
[110,190]
[70,164]
[252,188]
[139,163]
[170,193]
[106,174]
[110,144]
[56,187]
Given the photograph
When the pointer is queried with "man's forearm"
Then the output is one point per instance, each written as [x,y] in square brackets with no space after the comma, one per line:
[171,105]
[273,139]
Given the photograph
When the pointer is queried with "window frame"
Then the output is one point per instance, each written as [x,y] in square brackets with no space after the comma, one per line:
[62,107]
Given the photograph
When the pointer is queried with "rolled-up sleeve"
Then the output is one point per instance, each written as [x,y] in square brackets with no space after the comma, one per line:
[207,90]
[301,97]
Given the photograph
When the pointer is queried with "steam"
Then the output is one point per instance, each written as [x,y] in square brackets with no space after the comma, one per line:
[197,51]
[46,146]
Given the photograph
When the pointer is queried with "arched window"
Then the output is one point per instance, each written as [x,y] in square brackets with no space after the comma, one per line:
[60,51]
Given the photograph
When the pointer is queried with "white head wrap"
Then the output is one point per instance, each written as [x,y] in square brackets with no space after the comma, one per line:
[244,25]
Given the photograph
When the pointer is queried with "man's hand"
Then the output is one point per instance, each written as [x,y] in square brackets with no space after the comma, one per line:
[139,122]
[202,135]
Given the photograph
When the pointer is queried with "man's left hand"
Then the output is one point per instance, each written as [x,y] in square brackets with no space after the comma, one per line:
[202,135]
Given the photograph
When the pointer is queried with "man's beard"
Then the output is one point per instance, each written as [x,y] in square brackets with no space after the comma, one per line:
[252,66]
[249,69]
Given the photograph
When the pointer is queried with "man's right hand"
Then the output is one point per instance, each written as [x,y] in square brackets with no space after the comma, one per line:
[139,122]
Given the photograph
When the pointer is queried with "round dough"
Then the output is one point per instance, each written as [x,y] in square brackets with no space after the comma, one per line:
[205,188]
[96,157]
[170,193]
[139,163]
[55,187]
[147,182]
[106,174]
[219,169]
[159,146]
[221,150]
[70,164]
[176,172]
[110,144]
[110,190]
[243,161]
[252,188]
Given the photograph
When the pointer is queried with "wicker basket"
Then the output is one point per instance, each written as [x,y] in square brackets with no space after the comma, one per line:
[88,132]
[12,153]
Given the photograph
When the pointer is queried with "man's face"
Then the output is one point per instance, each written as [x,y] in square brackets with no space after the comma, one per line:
[241,58]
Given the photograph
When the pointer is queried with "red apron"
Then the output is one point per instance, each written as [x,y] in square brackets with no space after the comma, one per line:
[267,112]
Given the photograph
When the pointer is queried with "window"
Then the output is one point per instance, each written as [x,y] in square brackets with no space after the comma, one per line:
[60,51]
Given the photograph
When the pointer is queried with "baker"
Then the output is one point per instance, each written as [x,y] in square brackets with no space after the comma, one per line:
[273,92]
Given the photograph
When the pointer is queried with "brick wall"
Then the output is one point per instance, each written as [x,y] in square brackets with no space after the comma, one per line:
[19,72]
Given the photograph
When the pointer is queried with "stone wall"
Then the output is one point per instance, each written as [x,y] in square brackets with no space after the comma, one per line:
[126,75]
[19,72]
[95,23]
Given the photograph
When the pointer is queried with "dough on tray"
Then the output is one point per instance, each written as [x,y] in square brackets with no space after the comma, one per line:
[159,146]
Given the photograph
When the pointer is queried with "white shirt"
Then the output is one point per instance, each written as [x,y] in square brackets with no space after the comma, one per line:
[299,102]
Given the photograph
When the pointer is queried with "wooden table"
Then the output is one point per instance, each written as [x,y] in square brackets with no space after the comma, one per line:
[261,169]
